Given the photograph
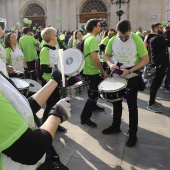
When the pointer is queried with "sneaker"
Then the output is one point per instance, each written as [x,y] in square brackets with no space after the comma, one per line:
[156,104]
[88,122]
[154,108]
[132,139]
[98,108]
[111,130]
[166,89]
[61,129]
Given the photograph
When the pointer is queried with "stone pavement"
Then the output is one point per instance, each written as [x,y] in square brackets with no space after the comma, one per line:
[85,148]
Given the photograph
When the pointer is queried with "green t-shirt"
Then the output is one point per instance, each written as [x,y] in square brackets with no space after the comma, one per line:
[42,43]
[11,123]
[27,44]
[128,53]
[90,45]
[104,42]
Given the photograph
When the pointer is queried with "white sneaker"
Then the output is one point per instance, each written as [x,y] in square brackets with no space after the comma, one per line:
[154,108]
[156,104]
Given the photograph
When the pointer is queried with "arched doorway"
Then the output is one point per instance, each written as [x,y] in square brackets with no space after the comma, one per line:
[35,13]
[93,9]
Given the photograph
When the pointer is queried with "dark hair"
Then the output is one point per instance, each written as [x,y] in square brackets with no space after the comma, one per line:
[91,24]
[167,34]
[153,26]
[7,43]
[123,26]
[25,30]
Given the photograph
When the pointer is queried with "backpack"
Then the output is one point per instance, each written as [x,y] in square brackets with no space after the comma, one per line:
[80,46]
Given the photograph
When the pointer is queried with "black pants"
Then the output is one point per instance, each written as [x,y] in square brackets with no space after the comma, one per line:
[93,95]
[133,87]
[156,83]
[52,100]
[31,71]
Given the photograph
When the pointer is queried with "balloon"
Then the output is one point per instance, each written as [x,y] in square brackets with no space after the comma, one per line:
[163,22]
[29,22]
[58,19]
[18,24]
[34,28]
[25,20]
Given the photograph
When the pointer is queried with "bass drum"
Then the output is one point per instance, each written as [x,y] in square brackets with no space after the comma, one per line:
[112,89]
[73,61]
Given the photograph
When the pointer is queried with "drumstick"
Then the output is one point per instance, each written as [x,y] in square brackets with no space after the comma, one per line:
[62,72]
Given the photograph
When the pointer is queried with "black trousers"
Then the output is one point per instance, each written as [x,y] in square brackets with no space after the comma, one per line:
[52,100]
[31,71]
[93,95]
[133,87]
[156,83]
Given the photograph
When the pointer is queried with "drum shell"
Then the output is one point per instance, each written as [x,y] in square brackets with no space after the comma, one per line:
[112,96]
[75,90]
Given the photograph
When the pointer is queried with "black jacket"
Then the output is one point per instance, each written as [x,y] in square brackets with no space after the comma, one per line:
[159,50]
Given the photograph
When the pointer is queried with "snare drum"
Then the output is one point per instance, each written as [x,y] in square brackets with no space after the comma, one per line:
[22,85]
[34,86]
[112,89]
[73,61]
[75,90]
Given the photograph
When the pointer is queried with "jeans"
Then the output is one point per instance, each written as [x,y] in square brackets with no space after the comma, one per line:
[156,83]
[167,78]
[133,87]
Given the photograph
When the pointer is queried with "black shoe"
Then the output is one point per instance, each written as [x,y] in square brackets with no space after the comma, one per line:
[131,141]
[111,130]
[98,108]
[61,129]
[88,122]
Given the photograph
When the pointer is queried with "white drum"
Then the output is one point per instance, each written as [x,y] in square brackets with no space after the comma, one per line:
[73,61]
[34,86]
[112,89]
[22,85]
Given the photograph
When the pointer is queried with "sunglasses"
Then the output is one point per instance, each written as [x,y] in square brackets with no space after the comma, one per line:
[124,38]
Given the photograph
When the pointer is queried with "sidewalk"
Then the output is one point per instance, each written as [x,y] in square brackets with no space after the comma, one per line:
[84,148]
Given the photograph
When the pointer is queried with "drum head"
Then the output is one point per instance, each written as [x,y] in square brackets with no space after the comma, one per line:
[73,60]
[112,84]
[20,83]
[34,86]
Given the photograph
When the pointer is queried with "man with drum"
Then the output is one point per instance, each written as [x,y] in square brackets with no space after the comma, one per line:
[92,69]
[129,51]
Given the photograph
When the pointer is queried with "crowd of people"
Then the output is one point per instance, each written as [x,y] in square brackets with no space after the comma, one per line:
[27,141]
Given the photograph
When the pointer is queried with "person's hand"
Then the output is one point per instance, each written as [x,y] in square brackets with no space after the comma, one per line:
[105,75]
[56,75]
[10,69]
[62,109]
[125,72]
[113,67]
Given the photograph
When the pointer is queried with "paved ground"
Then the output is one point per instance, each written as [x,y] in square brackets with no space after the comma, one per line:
[84,148]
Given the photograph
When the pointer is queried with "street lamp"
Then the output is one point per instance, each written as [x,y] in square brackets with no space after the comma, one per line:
[119,2]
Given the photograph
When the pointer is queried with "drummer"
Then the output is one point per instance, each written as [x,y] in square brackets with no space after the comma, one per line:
[48,57]
[130,52]
[14,55]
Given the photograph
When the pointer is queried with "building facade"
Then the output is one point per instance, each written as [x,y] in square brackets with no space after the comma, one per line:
[73,13]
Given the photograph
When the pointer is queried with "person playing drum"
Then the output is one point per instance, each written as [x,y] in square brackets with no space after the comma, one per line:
[48,57]
[14,55]
[130,52]
[22,144]
[92,69]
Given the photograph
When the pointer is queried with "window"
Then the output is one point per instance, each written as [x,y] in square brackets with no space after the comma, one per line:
[35,10]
